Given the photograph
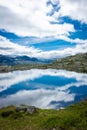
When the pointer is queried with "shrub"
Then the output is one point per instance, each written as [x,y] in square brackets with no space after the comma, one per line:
[7,113]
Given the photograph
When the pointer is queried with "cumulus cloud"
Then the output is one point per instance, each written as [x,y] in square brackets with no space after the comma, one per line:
[9,48]
[75,9]
[63,53]
[29,18]
[34,18]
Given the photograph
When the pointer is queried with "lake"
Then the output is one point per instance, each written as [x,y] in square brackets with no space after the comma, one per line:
[48,88]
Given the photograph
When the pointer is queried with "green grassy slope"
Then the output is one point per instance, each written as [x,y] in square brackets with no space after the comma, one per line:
[72,118]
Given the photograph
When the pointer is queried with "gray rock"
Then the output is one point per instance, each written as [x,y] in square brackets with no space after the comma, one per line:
[31,109]
[54,128]
[25,108]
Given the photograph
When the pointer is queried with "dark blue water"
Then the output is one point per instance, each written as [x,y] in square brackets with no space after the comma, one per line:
[42,88]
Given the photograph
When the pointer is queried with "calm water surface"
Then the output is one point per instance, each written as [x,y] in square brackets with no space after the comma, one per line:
[42,88]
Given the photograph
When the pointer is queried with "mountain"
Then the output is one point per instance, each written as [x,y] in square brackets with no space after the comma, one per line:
[76,63]
[8,60]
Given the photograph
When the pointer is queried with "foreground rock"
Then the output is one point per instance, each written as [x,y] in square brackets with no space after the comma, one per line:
[73,117]
[27,109]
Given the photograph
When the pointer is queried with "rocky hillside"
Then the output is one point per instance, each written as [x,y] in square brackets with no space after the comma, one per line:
[76,63]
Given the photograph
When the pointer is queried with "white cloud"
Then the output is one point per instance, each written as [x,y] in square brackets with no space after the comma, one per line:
[76,40]
[9,48]
[29,18]
[63,53]
[75,9]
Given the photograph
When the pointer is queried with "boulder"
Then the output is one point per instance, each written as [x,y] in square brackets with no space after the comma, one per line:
[25,108]
[31,109]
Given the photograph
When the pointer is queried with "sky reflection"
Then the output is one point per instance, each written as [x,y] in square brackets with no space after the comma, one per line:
[42,88]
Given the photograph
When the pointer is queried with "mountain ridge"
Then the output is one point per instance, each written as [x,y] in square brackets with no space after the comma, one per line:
[77,63]
[9,60]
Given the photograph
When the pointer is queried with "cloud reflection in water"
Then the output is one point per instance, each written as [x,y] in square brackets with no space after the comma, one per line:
[42,88]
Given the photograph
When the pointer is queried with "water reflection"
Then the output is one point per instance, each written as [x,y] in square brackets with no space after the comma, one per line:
[42,88]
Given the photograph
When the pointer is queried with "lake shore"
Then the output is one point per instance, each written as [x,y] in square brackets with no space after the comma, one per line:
[77,63]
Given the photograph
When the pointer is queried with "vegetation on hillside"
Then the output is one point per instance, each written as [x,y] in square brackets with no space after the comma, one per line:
[76,63]
[72,118]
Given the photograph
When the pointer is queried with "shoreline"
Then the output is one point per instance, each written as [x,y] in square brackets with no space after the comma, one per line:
[71,118]
[77,63]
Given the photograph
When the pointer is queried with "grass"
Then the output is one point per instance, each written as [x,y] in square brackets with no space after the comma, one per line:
[73,117]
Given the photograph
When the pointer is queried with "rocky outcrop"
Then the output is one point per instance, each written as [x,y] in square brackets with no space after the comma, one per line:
[27,109]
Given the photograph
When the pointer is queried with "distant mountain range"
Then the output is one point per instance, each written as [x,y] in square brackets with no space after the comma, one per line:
[76,63]
[9,60]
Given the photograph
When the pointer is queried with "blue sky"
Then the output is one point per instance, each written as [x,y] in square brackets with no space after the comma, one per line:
[43,29]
